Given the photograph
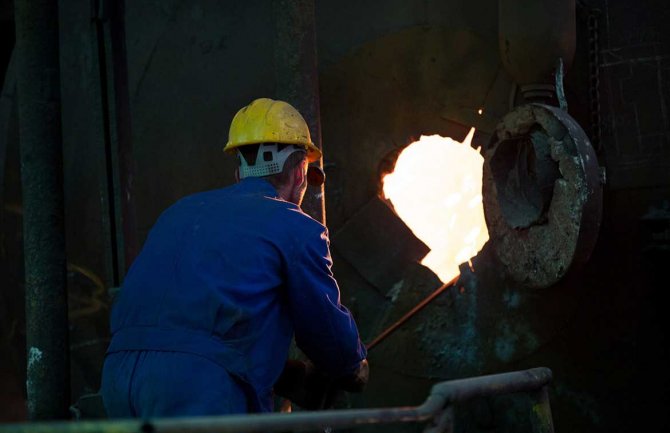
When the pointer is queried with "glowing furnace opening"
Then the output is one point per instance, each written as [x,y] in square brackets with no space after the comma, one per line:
[436,189]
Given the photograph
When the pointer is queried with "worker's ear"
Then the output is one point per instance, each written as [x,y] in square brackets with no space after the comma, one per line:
[299,174]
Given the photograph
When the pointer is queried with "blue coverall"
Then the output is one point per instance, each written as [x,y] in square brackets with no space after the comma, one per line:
[204,320]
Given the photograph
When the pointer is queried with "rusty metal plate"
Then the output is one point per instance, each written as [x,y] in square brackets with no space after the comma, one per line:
[378,244]
[542,194]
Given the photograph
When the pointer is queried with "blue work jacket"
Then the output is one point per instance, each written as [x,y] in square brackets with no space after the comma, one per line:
[231,275]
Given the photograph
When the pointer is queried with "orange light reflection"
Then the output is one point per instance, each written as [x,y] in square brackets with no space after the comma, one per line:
[436,189]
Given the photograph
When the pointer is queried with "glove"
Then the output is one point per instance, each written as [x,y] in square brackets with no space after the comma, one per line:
[303,384]
[356,381]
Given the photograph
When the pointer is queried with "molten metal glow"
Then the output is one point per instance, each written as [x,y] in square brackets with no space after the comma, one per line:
[436,189]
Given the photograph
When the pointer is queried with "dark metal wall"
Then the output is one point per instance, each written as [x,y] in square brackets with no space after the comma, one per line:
[12,327]
[388,72]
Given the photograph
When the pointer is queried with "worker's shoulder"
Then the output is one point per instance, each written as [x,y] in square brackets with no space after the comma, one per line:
[195,200]
[294,217]
[224,195]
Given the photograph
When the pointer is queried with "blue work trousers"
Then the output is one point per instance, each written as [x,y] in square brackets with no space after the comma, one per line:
[168,384]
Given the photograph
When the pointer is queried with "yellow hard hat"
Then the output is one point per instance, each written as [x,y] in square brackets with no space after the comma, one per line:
[268,121]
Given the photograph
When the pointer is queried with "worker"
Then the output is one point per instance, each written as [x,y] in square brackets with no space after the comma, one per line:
[226,278]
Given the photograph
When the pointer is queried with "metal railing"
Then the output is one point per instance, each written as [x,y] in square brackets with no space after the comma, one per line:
[437,411]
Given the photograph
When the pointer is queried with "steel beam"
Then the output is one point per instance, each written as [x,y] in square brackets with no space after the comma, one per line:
[297,78]
[38,84]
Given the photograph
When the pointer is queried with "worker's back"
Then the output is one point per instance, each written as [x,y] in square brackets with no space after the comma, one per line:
[226,275]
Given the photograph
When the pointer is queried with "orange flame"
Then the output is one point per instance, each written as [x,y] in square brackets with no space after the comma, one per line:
[436,189]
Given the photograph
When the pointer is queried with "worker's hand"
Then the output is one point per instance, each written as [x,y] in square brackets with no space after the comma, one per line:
[356,381]
[303,384]
[292,380]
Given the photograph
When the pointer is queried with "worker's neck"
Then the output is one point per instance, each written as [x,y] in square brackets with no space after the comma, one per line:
[285,193]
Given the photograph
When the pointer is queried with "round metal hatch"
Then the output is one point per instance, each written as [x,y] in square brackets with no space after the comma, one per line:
[542,194]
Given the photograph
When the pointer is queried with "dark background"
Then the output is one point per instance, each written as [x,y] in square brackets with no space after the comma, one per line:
[389,72]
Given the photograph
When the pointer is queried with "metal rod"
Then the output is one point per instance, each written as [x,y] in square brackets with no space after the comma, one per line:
[38,84]
[540,414]
[110,28]
[411,313]
[460,390]
[436,407]
[122,134]
[7,101]
[443,422]
[297,78]
[110,196]
[299,421]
